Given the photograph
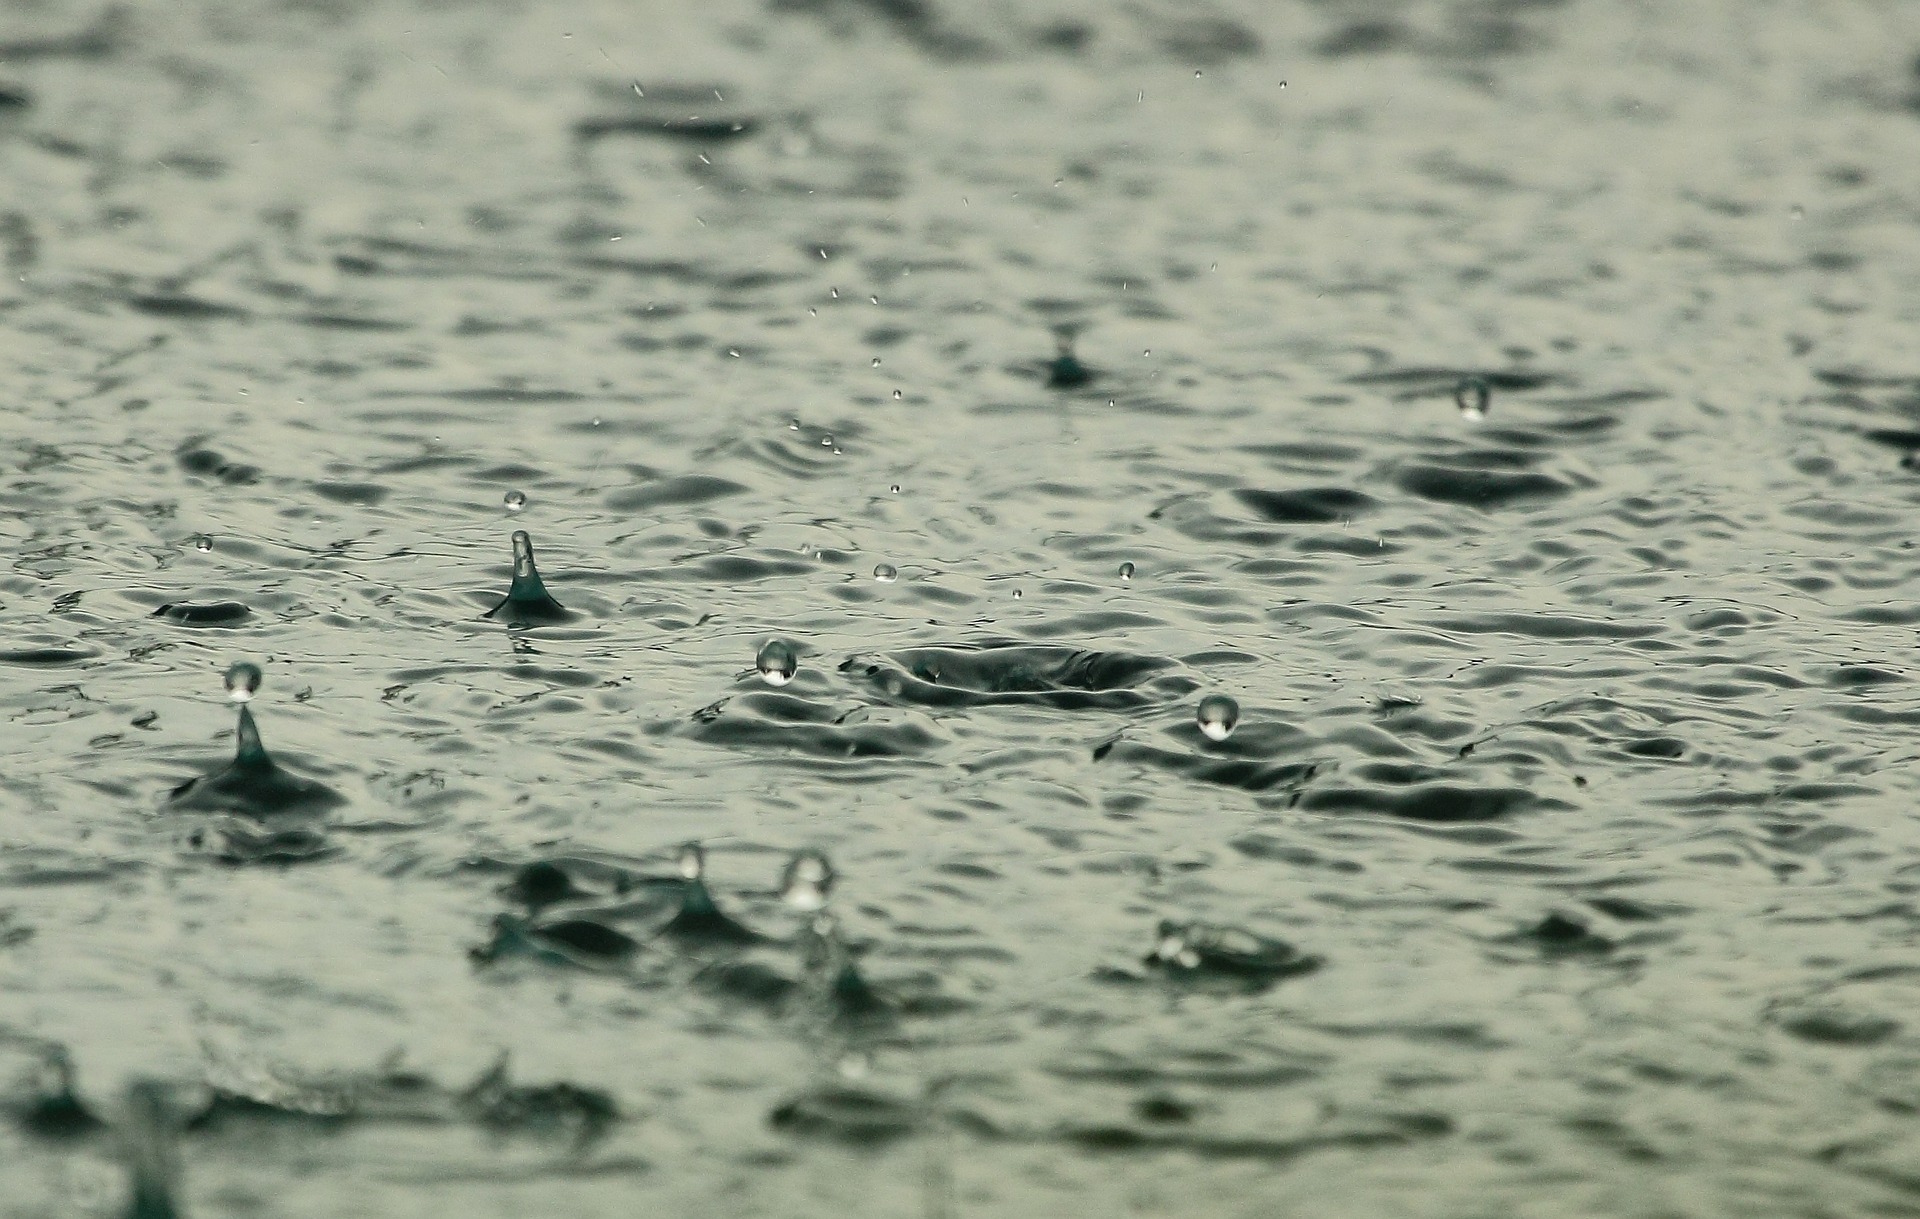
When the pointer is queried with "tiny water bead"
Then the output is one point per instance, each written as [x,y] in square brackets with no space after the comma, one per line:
[1216,716]
[807,881]
[515,501]
[777,662]
[886,573]
[1472,396]
[202,543]
[1126,571]
[691,862]
[243,681]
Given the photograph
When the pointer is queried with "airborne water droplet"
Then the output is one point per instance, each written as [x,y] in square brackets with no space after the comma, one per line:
[1126,571]
[777,662]
[243,681]
[807,881]
[876,362]
[1472,396]
[515,501]
[885,573]
[895,488]
[1217,716]
[692,861]
[896,395]
[202,543]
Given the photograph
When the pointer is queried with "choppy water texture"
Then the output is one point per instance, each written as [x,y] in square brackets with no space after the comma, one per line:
[1562,859]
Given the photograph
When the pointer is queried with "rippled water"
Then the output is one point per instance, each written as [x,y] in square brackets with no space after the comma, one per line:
[1561,860]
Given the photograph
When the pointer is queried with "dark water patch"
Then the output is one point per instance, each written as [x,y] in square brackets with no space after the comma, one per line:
[205,613]
[683,491]
[560,1110]
[1478,488]
[207,463]
[693,128]
[99,40]
[52,1107]
[858,1117]
[1252,774]
[1203,951]
[1833,1024]
[786,723]
[1010,673]
[1663,748]
[253,784]
[1317,505]
[186,308]
[1863,676]
[1436,802]
[1270,1151]
[351,322]
[1554,627]
[45,657]
[583,942]
[1559,934]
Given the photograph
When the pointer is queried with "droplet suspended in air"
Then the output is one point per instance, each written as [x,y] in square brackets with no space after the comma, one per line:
[777,662]
[691,863]
[1472,396]
[886,573]
[896,395]
[202,543]
[1126,571]
[515,501]
[895,488]
[807,881]
[243,681]
[1217,716]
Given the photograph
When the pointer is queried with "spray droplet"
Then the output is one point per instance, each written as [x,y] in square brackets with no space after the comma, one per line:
[1126,571]
[1016,594]
[807,881]
[1217,716]
[777,662]
[243,681]
[1472,396]
[515,501]
[876,362]
[896,395]
[826,442]
[692,861]
[202,543]
[895,488]
[885,573]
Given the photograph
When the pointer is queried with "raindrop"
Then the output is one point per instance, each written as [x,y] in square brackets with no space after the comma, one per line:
[1126,571]
[896,395]
[807,881]
[1217,716]
[515,501]
[874,299]
[1016,594]
[1472,396]
[836,293]
[895,488]
[202,543]
[885,573]
[777,662]
[826,442]
[876,362]
[243,681]
[1196,74]
[692,861]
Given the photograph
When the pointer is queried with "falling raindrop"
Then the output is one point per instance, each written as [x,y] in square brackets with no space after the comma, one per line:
[1126,571]
[1472,396]
[202,543]
[515,501]
[895,488]
[876,362]
[777,662]
[885,573]
[1217,716]
[896,395]
[826,442]
[807,881]
[243,681]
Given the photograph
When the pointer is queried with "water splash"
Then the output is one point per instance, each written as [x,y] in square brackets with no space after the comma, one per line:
[777,662]
[807,882]
[1217,716]
[1472,396]
[1065,371]
[152,1158]
[527,601]
[253,784]
[699,918]
[515,501]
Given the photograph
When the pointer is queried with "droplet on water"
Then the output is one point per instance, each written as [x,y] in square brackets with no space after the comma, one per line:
[202,543]
[1217,716]
[243,681]
[1472,396]
[692,861]
[876,362]
[807,881]
[1126,571]
[515,501]
[885,573]
[896,395]
[777,662]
